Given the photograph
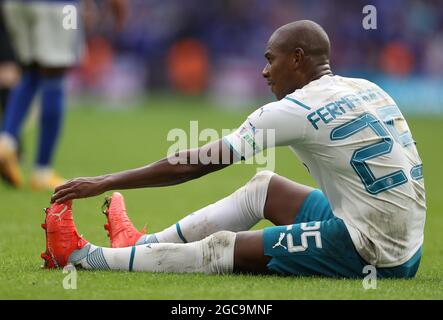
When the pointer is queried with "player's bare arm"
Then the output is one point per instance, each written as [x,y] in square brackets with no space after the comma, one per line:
[175,169]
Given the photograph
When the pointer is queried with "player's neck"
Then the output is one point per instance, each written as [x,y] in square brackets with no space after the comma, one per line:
[318,72]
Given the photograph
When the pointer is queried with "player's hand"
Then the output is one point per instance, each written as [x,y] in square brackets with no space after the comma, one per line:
[78,188]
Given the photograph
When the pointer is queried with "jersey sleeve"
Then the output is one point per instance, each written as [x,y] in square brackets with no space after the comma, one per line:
[275,124]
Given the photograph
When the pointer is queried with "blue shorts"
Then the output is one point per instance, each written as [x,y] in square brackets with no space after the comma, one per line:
[319,244]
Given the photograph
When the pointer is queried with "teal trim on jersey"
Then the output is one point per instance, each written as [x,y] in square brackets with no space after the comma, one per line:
[417,172]
[319,244]
[131,259]
[180,234]
[298,102]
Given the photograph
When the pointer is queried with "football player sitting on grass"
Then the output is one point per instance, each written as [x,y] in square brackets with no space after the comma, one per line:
[370,208]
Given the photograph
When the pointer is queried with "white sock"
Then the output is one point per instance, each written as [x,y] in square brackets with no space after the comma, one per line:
[8,140]
[238,212]
[212,255]
[42,172]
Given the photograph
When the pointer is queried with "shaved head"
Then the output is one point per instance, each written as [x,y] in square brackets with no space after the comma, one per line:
[297,54]
[304,34]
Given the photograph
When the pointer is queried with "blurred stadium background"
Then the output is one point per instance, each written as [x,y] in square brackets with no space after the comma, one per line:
[215,48]
[176,61]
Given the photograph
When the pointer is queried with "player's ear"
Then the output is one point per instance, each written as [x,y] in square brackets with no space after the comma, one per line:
[297,57]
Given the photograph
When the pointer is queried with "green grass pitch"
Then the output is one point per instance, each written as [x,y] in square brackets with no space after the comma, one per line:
[98,141]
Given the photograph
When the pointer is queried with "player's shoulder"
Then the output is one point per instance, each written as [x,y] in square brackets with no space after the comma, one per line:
[364,86]
[361,82]
[311,95]
[290,105]
[267,110]
[305,98]
[327,87]
[315,94]
[282,111]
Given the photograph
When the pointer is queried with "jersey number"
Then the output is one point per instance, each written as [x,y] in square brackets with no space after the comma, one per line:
[310,231]
[358,161]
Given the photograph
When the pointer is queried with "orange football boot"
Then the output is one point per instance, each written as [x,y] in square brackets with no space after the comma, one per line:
[62,237]
[45,181]
[120,229]
[9,165]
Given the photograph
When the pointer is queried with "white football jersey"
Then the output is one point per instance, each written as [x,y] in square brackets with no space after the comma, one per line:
[356,144]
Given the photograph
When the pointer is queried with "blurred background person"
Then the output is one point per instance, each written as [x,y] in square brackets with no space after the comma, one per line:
[46,49]
[9,70]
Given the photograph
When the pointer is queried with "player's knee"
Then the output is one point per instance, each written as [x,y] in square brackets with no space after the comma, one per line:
[259,183]
[218,252]
[221,239]
[262,177]
[256,191]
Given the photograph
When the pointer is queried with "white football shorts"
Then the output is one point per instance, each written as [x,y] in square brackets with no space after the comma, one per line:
[38,34]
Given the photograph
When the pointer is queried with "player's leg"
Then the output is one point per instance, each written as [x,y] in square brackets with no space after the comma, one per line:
[322,248]
[51,119]
[19,26]
[56,50]
[249,253]
[219,253]
[237,212]
[9,71]
[285,200]
[19,101]
[317,248]
[267,195]
[213,255]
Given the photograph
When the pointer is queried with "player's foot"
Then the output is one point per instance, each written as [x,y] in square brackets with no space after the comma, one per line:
[9,165]
[45,180]
[121,231]
[62,237]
